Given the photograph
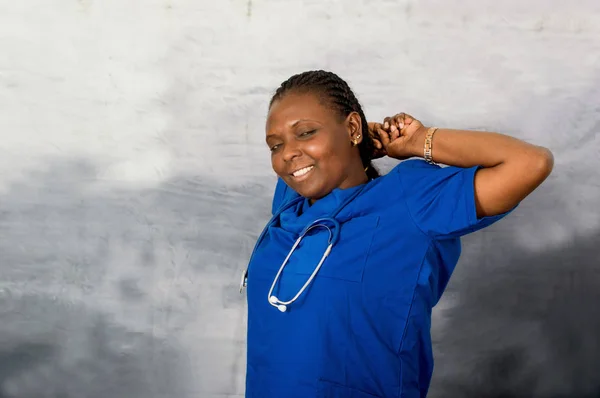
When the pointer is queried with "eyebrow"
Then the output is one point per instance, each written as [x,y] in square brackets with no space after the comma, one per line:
[292,125]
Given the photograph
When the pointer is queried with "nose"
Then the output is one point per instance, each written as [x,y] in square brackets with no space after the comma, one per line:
[290,151]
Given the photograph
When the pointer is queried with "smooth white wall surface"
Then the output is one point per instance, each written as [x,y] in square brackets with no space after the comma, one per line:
[134,180]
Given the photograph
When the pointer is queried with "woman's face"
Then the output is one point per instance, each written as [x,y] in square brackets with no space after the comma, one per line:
[311,147]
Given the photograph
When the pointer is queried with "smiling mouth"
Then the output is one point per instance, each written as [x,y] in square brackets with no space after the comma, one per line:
[302,173]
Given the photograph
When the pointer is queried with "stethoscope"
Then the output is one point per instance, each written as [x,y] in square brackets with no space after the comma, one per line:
[329,223]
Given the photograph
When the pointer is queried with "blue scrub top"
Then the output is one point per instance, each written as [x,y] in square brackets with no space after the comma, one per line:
[362,328]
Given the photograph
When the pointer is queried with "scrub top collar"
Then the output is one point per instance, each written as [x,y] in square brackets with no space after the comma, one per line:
[297,217]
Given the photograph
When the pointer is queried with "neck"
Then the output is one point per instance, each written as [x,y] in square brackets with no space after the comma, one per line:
[358,177]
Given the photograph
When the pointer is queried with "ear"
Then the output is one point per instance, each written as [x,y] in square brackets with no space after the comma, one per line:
[354,127]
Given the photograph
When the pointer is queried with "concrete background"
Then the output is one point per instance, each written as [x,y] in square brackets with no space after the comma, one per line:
[134,180]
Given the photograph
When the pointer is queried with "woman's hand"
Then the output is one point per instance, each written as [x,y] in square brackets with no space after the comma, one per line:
[379,151]
[401,136]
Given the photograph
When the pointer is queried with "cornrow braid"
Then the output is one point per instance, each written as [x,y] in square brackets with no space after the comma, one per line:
[335,92]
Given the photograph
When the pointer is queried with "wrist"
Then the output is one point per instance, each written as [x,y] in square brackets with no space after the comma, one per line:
[418,142]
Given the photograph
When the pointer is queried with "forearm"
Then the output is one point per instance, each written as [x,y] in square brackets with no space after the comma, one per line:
[463,148]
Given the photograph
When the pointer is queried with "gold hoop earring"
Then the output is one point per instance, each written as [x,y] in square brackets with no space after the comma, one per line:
[355,141]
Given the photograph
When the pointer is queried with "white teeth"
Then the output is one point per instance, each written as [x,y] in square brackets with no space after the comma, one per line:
[303,171]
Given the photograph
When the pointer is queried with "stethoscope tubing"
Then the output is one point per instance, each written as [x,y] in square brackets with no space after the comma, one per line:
[334,234]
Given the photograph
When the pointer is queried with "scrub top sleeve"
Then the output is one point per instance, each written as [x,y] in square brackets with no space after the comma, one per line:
[283,194]
[441,200]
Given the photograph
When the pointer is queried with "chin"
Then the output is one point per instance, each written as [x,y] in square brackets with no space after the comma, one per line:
[314,193]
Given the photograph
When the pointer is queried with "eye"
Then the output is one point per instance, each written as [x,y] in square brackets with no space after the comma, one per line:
[307,133]
[274,147]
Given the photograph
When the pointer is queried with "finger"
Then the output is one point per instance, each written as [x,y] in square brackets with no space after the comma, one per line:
[373,127]
[387,123]
[376,126]
[399,120]
[383,137]
[395,133]
[407,120]
[393,130]
[377,143]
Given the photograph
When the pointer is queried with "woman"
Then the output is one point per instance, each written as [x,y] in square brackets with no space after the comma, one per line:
[356,323]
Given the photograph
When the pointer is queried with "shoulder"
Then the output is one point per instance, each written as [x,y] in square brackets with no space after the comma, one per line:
[418,172]
[410,173]
[441,199]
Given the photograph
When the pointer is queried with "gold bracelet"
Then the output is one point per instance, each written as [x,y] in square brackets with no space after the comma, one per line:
[428,145]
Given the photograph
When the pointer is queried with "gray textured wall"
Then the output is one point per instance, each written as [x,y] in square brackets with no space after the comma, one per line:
[134,180]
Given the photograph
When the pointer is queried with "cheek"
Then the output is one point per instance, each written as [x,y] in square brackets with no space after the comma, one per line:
[331,154]
[276,163]
[322,150]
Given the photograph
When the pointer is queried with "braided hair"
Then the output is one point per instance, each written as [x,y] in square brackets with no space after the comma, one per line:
[335,92]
